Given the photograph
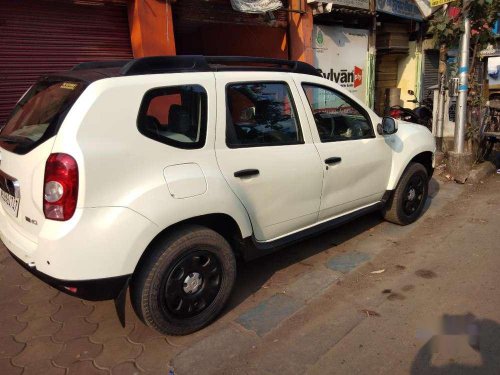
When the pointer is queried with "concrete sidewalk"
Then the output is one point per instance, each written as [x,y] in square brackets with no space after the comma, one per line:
[290,310]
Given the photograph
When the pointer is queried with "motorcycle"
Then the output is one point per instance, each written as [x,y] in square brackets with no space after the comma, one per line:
[421,115]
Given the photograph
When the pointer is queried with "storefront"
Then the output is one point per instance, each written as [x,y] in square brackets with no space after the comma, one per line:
[41,36]
[399,56]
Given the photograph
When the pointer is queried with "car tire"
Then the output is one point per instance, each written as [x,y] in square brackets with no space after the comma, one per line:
[185,280]
[408,200]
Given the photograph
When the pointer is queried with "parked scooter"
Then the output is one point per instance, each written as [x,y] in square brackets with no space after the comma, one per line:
[421,115]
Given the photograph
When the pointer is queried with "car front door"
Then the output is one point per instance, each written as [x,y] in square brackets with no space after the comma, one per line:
[265,151]
[356,159]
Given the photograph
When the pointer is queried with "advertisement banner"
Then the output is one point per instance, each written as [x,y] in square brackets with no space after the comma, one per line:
[341,55]
[400,8]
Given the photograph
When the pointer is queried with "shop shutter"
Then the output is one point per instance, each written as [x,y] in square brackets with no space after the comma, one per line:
[431,70]
[42,36]
[386,77]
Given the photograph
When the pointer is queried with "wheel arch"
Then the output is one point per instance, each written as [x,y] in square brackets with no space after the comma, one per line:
[221,223]
[425,157]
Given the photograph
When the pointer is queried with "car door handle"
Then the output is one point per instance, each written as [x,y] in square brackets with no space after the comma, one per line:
[246,173]
[333,160]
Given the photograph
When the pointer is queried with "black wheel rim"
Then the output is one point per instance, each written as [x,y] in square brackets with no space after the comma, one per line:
[192,284]
[414,194]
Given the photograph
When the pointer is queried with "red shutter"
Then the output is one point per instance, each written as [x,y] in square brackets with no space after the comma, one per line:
[41,36]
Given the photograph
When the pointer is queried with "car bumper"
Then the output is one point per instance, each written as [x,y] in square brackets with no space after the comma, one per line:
[92,290]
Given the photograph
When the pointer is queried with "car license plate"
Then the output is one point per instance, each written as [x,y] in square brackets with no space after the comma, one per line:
[10,203]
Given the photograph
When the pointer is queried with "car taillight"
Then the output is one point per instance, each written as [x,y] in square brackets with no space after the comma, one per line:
[60,187]
[395,113]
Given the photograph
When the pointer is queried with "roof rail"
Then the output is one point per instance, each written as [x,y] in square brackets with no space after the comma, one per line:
[197,63]
[165,64]
[100,65]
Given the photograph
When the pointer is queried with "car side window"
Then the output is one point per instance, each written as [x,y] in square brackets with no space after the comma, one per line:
[175,115]
[337,117]
[261,114]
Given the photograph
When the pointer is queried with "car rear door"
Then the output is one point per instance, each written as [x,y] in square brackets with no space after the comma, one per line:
[265,151]
[356,159]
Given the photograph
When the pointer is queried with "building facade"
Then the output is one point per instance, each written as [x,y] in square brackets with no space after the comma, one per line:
[367,46]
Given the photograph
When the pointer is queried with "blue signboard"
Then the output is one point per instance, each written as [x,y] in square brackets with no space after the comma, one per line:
[400,8]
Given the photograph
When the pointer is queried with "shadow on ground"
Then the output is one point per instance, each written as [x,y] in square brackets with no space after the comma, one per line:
[253,275]
[440,357]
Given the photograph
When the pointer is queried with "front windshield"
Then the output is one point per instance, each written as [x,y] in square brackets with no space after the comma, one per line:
[38,114]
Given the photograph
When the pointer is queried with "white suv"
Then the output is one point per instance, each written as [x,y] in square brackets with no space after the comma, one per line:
[157,173]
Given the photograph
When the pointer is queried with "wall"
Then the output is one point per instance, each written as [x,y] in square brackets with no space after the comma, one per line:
[238,40]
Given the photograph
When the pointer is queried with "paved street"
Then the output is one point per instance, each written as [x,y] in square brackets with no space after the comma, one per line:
[370,297]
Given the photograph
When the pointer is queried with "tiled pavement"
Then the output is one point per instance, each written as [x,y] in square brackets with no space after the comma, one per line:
[43,331]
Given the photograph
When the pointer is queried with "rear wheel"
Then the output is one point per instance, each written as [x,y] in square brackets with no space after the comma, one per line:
[185,282]
[407,202]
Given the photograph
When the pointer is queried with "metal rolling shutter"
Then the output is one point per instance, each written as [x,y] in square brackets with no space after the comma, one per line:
[41,36]
[431,70]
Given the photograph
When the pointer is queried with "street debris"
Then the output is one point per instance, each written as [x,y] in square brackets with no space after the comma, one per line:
[378,271]
[426,274]
[387,291]
[369,313]
[475,220]
[400,267]
[395,296]
[408,287]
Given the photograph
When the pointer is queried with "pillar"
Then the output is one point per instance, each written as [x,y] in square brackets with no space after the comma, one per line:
[300,32]
[151,28]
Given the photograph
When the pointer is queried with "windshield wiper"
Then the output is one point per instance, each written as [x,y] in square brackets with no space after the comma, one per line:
[16,139]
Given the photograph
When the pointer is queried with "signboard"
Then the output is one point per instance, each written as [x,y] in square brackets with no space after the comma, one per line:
[400,8]
[341,55]
[494,71]
[436,3]
[425,7]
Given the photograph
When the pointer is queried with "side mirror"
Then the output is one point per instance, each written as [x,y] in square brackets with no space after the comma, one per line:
[248,114]
[411,92]
[387,127]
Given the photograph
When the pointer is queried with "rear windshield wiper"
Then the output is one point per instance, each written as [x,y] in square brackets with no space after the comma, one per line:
[16,139]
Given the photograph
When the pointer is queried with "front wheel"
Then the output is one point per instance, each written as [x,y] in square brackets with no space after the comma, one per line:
[185,281]
[407,202]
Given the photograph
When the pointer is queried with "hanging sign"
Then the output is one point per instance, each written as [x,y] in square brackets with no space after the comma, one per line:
[400,8]
[436,3]
[425,7]
[340,53]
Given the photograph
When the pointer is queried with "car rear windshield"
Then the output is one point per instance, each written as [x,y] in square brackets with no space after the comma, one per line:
[39,113]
